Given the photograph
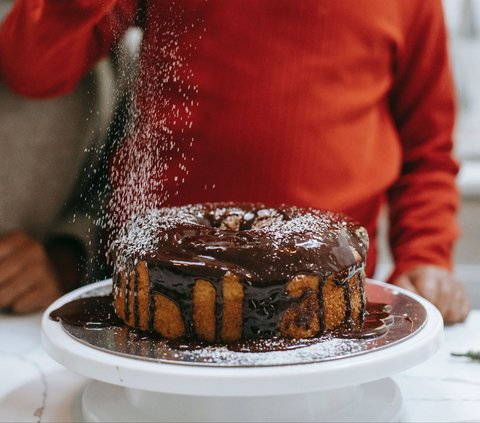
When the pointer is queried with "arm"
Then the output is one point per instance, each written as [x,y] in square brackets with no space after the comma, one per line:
[46,46]
[424,199]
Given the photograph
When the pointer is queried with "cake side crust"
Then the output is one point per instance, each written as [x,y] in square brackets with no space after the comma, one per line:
[312,307]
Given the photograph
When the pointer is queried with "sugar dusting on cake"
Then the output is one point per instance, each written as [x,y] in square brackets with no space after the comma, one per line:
[261,241]
[141,234]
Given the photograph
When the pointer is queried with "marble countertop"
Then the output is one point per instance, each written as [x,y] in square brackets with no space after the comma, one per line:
[34,388]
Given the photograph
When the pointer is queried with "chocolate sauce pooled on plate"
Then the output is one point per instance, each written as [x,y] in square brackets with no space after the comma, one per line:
[97,312]
[90,313]
[406,315]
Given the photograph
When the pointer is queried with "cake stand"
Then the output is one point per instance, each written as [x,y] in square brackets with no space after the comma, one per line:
[355,387]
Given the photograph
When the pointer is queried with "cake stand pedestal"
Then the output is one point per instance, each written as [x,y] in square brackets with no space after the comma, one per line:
[378,401]
[356,388]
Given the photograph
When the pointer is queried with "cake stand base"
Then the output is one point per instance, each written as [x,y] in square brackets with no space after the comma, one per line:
[357,388]
[378,401]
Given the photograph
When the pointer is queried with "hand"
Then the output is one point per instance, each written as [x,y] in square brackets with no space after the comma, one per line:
[27,279]
[439,287]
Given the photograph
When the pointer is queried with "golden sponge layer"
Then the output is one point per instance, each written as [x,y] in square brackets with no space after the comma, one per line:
[313,306]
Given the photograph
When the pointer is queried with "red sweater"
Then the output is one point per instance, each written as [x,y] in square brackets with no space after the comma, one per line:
[330,104]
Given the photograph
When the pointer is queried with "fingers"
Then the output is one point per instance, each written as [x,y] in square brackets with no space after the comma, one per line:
[438,286]
[434,285]
[33,300]
[460,305]
[38,290]
[40,296]
[26,304]
[19,270]
[11,242]
[17,286]
[24,254]
[404,282]
[27,280]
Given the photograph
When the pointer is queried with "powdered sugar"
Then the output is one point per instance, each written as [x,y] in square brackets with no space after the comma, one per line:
[276,352]
[143,232]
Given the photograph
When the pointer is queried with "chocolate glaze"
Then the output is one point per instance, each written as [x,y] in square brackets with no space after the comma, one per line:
[259,244]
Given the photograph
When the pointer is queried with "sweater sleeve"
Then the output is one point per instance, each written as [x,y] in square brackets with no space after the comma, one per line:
[46,46]
[424,199]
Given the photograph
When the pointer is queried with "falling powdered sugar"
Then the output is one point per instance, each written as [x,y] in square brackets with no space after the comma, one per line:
[152,161]
[145,157]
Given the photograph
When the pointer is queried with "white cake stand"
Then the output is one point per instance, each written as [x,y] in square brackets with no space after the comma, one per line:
[354,389]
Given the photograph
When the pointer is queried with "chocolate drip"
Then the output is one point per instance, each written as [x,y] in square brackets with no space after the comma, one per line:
[127,295]
[178,288]
[321,315]
[363,300]
[263,306]
[376,323]
[347,296]
[343,279]
[136,310]
[263,309]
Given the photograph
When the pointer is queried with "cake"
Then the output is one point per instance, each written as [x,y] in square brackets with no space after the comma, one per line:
[223,272]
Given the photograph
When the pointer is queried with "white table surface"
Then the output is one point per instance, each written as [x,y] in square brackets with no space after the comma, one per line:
[34,388]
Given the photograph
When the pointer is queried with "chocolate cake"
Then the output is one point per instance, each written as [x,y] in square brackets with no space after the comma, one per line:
[221,272]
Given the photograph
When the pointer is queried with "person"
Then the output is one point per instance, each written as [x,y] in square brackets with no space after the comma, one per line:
[346,106]
[47,235]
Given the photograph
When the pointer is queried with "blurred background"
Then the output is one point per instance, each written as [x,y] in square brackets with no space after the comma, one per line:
[463,21]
